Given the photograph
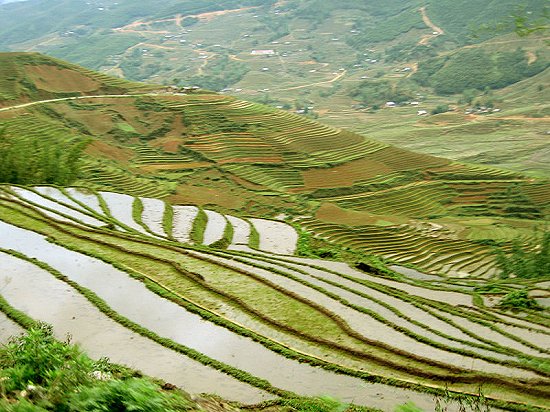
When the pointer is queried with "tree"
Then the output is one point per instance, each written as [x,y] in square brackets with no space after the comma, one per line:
[533,262]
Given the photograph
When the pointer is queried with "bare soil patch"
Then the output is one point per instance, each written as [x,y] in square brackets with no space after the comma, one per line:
[201,195]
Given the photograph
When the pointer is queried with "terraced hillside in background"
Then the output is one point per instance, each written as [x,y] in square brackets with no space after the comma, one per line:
[120,274]
[248,159]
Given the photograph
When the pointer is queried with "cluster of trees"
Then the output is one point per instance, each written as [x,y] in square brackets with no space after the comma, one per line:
[33,161]
[278,26]
[409,51]
[376,93]
[476,69]
[387,29]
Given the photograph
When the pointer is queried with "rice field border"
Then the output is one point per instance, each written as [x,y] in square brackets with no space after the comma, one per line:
[374,315]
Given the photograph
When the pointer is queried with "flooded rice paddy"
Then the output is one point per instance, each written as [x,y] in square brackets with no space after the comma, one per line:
[131,299]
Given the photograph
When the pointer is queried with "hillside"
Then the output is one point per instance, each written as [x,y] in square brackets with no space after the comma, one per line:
[182,232]
[207,149]
[28,77]
[436,53]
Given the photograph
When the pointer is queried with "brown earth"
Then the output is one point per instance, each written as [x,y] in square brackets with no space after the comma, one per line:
[173,166]
[57,79]
[331,213]
[102,149]
[201,195]
[425,39]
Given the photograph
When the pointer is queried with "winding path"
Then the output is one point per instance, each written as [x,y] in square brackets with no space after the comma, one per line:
[425,39]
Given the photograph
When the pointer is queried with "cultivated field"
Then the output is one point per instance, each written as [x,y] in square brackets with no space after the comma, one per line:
[329,328]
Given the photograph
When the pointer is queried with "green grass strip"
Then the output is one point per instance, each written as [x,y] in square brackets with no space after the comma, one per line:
[227,237]
[137,212]
[168,220]
[22,319]
[254,238]
[198,228]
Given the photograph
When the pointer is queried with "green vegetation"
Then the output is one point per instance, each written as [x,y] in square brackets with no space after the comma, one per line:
[526,264]
[34,161]
[378,92]
[199,225]
[40,373]
[349,195]
[476,69]
[221,73]
[519,300]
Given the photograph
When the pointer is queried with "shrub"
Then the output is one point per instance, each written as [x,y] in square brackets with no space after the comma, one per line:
[531,263]
[38,359]
[136,395]
[519,300]
[442,108]
[39,373]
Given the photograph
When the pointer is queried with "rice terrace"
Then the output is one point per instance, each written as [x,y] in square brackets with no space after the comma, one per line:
[278,263]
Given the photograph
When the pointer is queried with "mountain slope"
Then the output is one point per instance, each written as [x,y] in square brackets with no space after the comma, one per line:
[27,77]
[164,237]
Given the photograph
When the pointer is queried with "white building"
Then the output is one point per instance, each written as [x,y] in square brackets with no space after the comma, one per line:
[262,52]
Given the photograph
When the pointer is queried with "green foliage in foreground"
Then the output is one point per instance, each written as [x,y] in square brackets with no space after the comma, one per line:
[526,264]
[38,161]
[519,300]
[39,373]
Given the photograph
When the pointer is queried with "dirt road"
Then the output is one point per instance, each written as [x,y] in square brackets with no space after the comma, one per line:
[435,29]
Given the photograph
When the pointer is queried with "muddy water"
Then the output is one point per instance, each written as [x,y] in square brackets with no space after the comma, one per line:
[371,328]
[453,298]
[214,227]
[8,328]
[435,323]
[241,230]
[276,237]
[133,300]
[43,202]
[494,336]
[120,207]
[41,296]
[404,307]
[153,215]
[412,273]
[182,222]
